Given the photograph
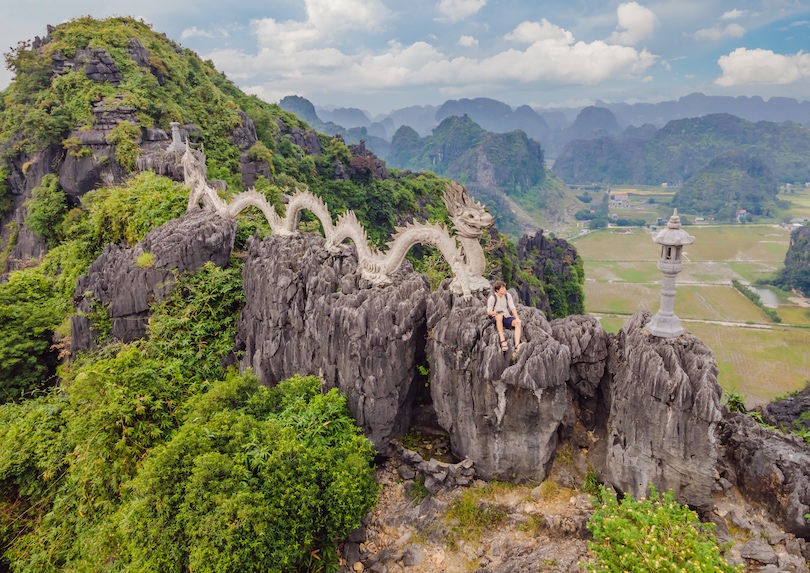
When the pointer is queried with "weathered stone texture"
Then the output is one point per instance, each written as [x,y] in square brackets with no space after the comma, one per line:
[664,407]
[309,312]
[501,413]
[115,279]
[769,468]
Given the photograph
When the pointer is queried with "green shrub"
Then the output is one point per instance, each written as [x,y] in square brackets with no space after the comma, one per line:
[5,190]
[145,260]
[260,486]
[654,534]
[260,152]
[29,312]
[46,210]
[125,137]
[127,213]
[196,325]
[736,402]
[75,147]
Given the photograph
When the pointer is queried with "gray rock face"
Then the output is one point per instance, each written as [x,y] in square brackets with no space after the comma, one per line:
[308,312]
[95,164]
[664,407]
[115,281]
[501,413]
[770,468]
[588,344]
[96,63]
[306,139]
[25,173]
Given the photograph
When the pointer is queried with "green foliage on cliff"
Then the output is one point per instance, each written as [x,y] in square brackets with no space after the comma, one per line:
[35,301]
[29,311]
[46,210]
[150,457]
[653,534]
[5,190]
[256,479]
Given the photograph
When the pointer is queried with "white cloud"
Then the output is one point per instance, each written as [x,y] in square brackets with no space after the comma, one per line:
[457,10]
[718,33]
[531,32]
[733,14]
[214,32]
[749,67]
[195,32]
[635,23]
[326,20]
[299,57]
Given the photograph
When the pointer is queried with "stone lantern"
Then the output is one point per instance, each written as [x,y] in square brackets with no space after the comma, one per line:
[672,239]
[177,139]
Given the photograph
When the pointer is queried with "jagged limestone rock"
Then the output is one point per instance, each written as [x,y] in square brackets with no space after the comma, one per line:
[502,413]
[308,311]
[769,468]
[588,344]
[116,282]
[664,409]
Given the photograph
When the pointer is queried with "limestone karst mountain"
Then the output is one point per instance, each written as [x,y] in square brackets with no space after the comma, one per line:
[153,447]
[681,148]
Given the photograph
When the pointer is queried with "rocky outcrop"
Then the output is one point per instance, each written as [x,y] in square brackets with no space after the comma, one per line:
[501,411]
[789,413]
[25,173]
[664,408]
[436,474]
[96,63]
[309,312]
[364,165]
[588,345]
[769,468]
[306,139]
[116,284]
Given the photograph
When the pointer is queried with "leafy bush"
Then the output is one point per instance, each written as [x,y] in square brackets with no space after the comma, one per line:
[736,402]
[125,138]
[260,486]
[5,190]
[127,213]
[46,210]
[28,313]
[654,534]
[196,325]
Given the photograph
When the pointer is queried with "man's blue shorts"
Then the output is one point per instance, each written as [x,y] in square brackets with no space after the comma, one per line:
[507,321]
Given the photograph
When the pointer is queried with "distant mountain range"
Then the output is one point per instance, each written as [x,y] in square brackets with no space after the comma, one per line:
[554,127]
[720,162]
[505,170]
[677,151]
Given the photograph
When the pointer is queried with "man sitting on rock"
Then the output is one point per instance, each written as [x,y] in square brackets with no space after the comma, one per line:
[501,309]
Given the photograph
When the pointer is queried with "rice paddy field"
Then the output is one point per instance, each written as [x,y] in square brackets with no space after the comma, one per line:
[755,356]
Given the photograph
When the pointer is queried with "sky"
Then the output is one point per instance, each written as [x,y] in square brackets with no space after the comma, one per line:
[381,55]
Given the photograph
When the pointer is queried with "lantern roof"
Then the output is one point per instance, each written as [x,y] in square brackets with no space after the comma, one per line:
[673,235]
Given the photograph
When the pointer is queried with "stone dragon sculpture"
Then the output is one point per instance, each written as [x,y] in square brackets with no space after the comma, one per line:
[463,251]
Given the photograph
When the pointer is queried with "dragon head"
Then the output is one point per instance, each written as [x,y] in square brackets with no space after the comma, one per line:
[469,217]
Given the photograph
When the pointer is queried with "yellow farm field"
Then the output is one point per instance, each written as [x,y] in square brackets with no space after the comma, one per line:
[760,364]
[706,302]
[739,243]
[800,202]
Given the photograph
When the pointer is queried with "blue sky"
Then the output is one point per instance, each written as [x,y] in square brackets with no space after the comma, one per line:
[380,55]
